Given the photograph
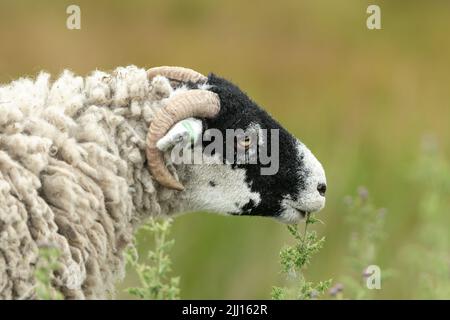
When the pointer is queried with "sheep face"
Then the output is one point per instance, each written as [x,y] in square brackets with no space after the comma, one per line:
[288,187]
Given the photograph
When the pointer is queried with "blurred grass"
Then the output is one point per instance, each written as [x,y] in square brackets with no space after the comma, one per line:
[360,99]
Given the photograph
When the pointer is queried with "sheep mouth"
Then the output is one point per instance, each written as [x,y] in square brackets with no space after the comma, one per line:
[299,211]
[302,213]
[302,209]
[292,215]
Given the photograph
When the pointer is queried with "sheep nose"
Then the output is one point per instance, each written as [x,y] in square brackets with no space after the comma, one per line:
[322,188]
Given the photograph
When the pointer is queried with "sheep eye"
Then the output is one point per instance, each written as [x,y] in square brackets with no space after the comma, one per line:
[245,142]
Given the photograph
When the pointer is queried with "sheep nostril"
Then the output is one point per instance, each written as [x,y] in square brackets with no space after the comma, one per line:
[322,188]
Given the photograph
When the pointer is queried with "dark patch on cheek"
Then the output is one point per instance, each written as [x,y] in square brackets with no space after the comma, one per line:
[212,184]
[285,184]
[248,207]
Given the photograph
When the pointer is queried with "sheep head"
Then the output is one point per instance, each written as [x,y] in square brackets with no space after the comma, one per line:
[235,176]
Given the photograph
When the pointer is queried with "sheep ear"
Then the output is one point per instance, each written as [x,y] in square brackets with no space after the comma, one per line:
[183,132]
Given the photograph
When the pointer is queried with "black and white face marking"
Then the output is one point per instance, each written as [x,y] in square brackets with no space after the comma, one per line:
[240,189]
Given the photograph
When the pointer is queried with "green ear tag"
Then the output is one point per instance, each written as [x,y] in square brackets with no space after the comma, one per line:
[189,128]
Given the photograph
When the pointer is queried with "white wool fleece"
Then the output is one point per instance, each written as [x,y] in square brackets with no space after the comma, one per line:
[73,175]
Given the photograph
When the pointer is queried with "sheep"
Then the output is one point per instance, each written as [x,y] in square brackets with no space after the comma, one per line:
[84,161]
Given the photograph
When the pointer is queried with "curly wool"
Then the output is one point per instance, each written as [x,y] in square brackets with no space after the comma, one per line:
[73,175]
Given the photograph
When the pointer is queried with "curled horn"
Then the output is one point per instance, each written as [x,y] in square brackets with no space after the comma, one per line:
[192,103]
[176,73]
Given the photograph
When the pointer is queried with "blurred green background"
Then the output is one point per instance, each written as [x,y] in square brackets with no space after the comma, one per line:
[362,100]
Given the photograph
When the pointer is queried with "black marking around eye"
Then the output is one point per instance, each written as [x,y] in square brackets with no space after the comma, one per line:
[238,111]
[212,184]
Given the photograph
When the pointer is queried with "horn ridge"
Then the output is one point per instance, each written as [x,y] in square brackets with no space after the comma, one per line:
[192,103]
[176,73]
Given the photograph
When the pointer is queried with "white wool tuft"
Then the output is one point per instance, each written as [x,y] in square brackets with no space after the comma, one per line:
[73,175]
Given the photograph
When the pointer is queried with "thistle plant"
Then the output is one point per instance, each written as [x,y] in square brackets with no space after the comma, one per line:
[294,262]
[154,274]
[46,266]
